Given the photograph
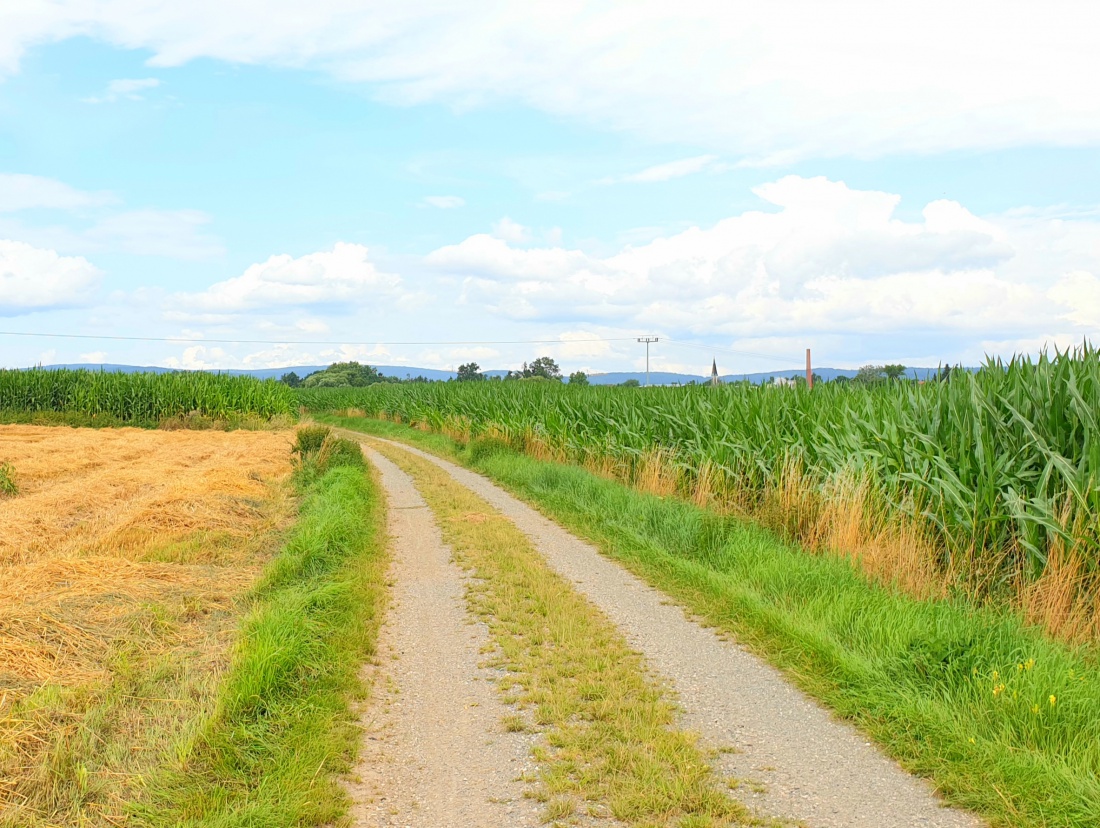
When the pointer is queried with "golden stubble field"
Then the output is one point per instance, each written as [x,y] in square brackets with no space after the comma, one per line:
[124,561]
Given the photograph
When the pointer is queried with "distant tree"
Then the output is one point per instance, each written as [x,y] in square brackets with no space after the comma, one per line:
[290,378]
[893,372]
[944,373]
[578,378]
[542,367]
[843,380]
[870,375]
[344,375]
[470,372]
[630,383]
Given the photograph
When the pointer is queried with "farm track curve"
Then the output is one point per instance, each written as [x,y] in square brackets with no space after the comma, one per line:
[434,752]
[799,761]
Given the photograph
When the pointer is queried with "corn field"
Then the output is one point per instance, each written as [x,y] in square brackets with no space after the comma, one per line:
[997,471]
[141,398]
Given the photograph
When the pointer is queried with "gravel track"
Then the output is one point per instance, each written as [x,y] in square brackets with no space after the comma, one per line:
[434,753]
[800,762]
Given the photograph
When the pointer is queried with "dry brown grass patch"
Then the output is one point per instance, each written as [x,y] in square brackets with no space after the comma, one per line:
[122,565]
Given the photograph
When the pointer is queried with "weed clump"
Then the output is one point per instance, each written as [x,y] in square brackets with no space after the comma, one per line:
[8,486]
[309,439]
[317,450]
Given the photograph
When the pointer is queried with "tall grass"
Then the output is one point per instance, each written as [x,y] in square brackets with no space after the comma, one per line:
[988,481]
[1002,719]
[283,730]
[141,398]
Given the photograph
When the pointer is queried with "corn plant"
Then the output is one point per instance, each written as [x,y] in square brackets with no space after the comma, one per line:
[142,397]
[999,464]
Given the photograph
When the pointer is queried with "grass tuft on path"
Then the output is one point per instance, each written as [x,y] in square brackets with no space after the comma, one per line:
[283,729]
[1004,721]
[611,736]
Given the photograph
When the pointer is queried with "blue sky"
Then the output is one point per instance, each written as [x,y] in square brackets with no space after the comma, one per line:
[920,187]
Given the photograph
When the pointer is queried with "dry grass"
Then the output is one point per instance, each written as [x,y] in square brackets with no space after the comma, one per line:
[842,518]
[122,564]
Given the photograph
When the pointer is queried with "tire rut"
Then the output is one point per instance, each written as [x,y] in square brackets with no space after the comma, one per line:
[434,753]
[799,761]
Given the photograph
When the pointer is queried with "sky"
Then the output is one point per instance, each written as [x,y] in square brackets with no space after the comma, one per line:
[273,183]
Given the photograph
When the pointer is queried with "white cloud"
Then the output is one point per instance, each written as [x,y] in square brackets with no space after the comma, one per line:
[94,357]
[27,192]
[124,88]
[511,231]
[175,234]
[445,202]
[474,353]
[760,80]
[1079,293]
[32,279]
[580,344]
[343,276]
[673,169]
[830,262]
[95,224]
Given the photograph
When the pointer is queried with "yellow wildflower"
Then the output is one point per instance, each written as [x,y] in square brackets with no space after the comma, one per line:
[1053,699]
[1035,709]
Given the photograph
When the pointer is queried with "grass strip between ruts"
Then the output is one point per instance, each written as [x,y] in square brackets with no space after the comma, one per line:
[283,730]
[1003,720]
[611,735]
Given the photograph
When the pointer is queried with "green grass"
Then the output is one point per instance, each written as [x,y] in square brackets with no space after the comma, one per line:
[8,486]
[283,728]
[959,694]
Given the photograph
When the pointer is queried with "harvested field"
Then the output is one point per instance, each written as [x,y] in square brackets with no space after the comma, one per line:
[123,560]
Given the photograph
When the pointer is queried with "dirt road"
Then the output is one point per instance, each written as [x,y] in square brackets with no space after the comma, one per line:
[434,751]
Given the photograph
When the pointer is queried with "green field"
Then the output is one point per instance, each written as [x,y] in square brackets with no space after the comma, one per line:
[987,482]
[1004,720]
[143,399]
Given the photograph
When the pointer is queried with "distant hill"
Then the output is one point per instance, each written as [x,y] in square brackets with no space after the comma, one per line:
[406,372]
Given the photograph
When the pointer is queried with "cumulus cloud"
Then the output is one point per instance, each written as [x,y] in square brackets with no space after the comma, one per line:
[19,191]
[342,276]
[32,279]
[448,202]
[826,260]
[767,81]
[130,89]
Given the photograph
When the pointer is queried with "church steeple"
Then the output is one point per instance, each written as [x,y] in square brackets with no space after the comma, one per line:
[714,372]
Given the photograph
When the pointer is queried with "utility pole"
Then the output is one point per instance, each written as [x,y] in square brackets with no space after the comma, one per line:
[809,372]
[647,340]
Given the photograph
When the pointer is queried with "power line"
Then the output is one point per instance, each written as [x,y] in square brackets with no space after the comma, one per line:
[313,341]
[219,341]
